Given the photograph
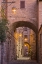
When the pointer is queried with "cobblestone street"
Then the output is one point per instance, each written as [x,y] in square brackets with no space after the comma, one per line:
[23,62]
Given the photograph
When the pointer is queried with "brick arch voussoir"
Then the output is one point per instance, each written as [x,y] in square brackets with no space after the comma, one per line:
[24,24]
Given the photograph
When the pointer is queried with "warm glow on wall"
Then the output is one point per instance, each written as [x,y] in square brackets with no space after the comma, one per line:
[14,10]
[20,34]
[25,45]
[16,35]
[25,39]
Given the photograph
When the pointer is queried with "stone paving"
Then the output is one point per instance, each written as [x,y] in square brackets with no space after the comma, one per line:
[23,62]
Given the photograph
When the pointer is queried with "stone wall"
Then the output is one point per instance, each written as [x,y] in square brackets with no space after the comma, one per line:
[40,45]
[0,53]
[40,13]
[33,45]
[29,13]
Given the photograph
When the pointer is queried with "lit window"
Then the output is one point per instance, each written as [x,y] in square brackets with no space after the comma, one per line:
[22,4]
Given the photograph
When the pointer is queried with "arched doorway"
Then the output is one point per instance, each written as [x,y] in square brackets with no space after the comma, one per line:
[19,38]
[27,52]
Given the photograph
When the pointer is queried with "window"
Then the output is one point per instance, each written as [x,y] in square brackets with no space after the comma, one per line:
[22,4]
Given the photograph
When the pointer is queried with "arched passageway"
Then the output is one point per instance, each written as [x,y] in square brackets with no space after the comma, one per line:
[19,29]
[22,33]
[25,42]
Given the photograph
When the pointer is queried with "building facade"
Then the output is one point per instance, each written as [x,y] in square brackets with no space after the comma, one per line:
[23,29]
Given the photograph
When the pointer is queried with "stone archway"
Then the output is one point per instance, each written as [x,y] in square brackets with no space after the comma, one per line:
[26,24]
[21,24]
